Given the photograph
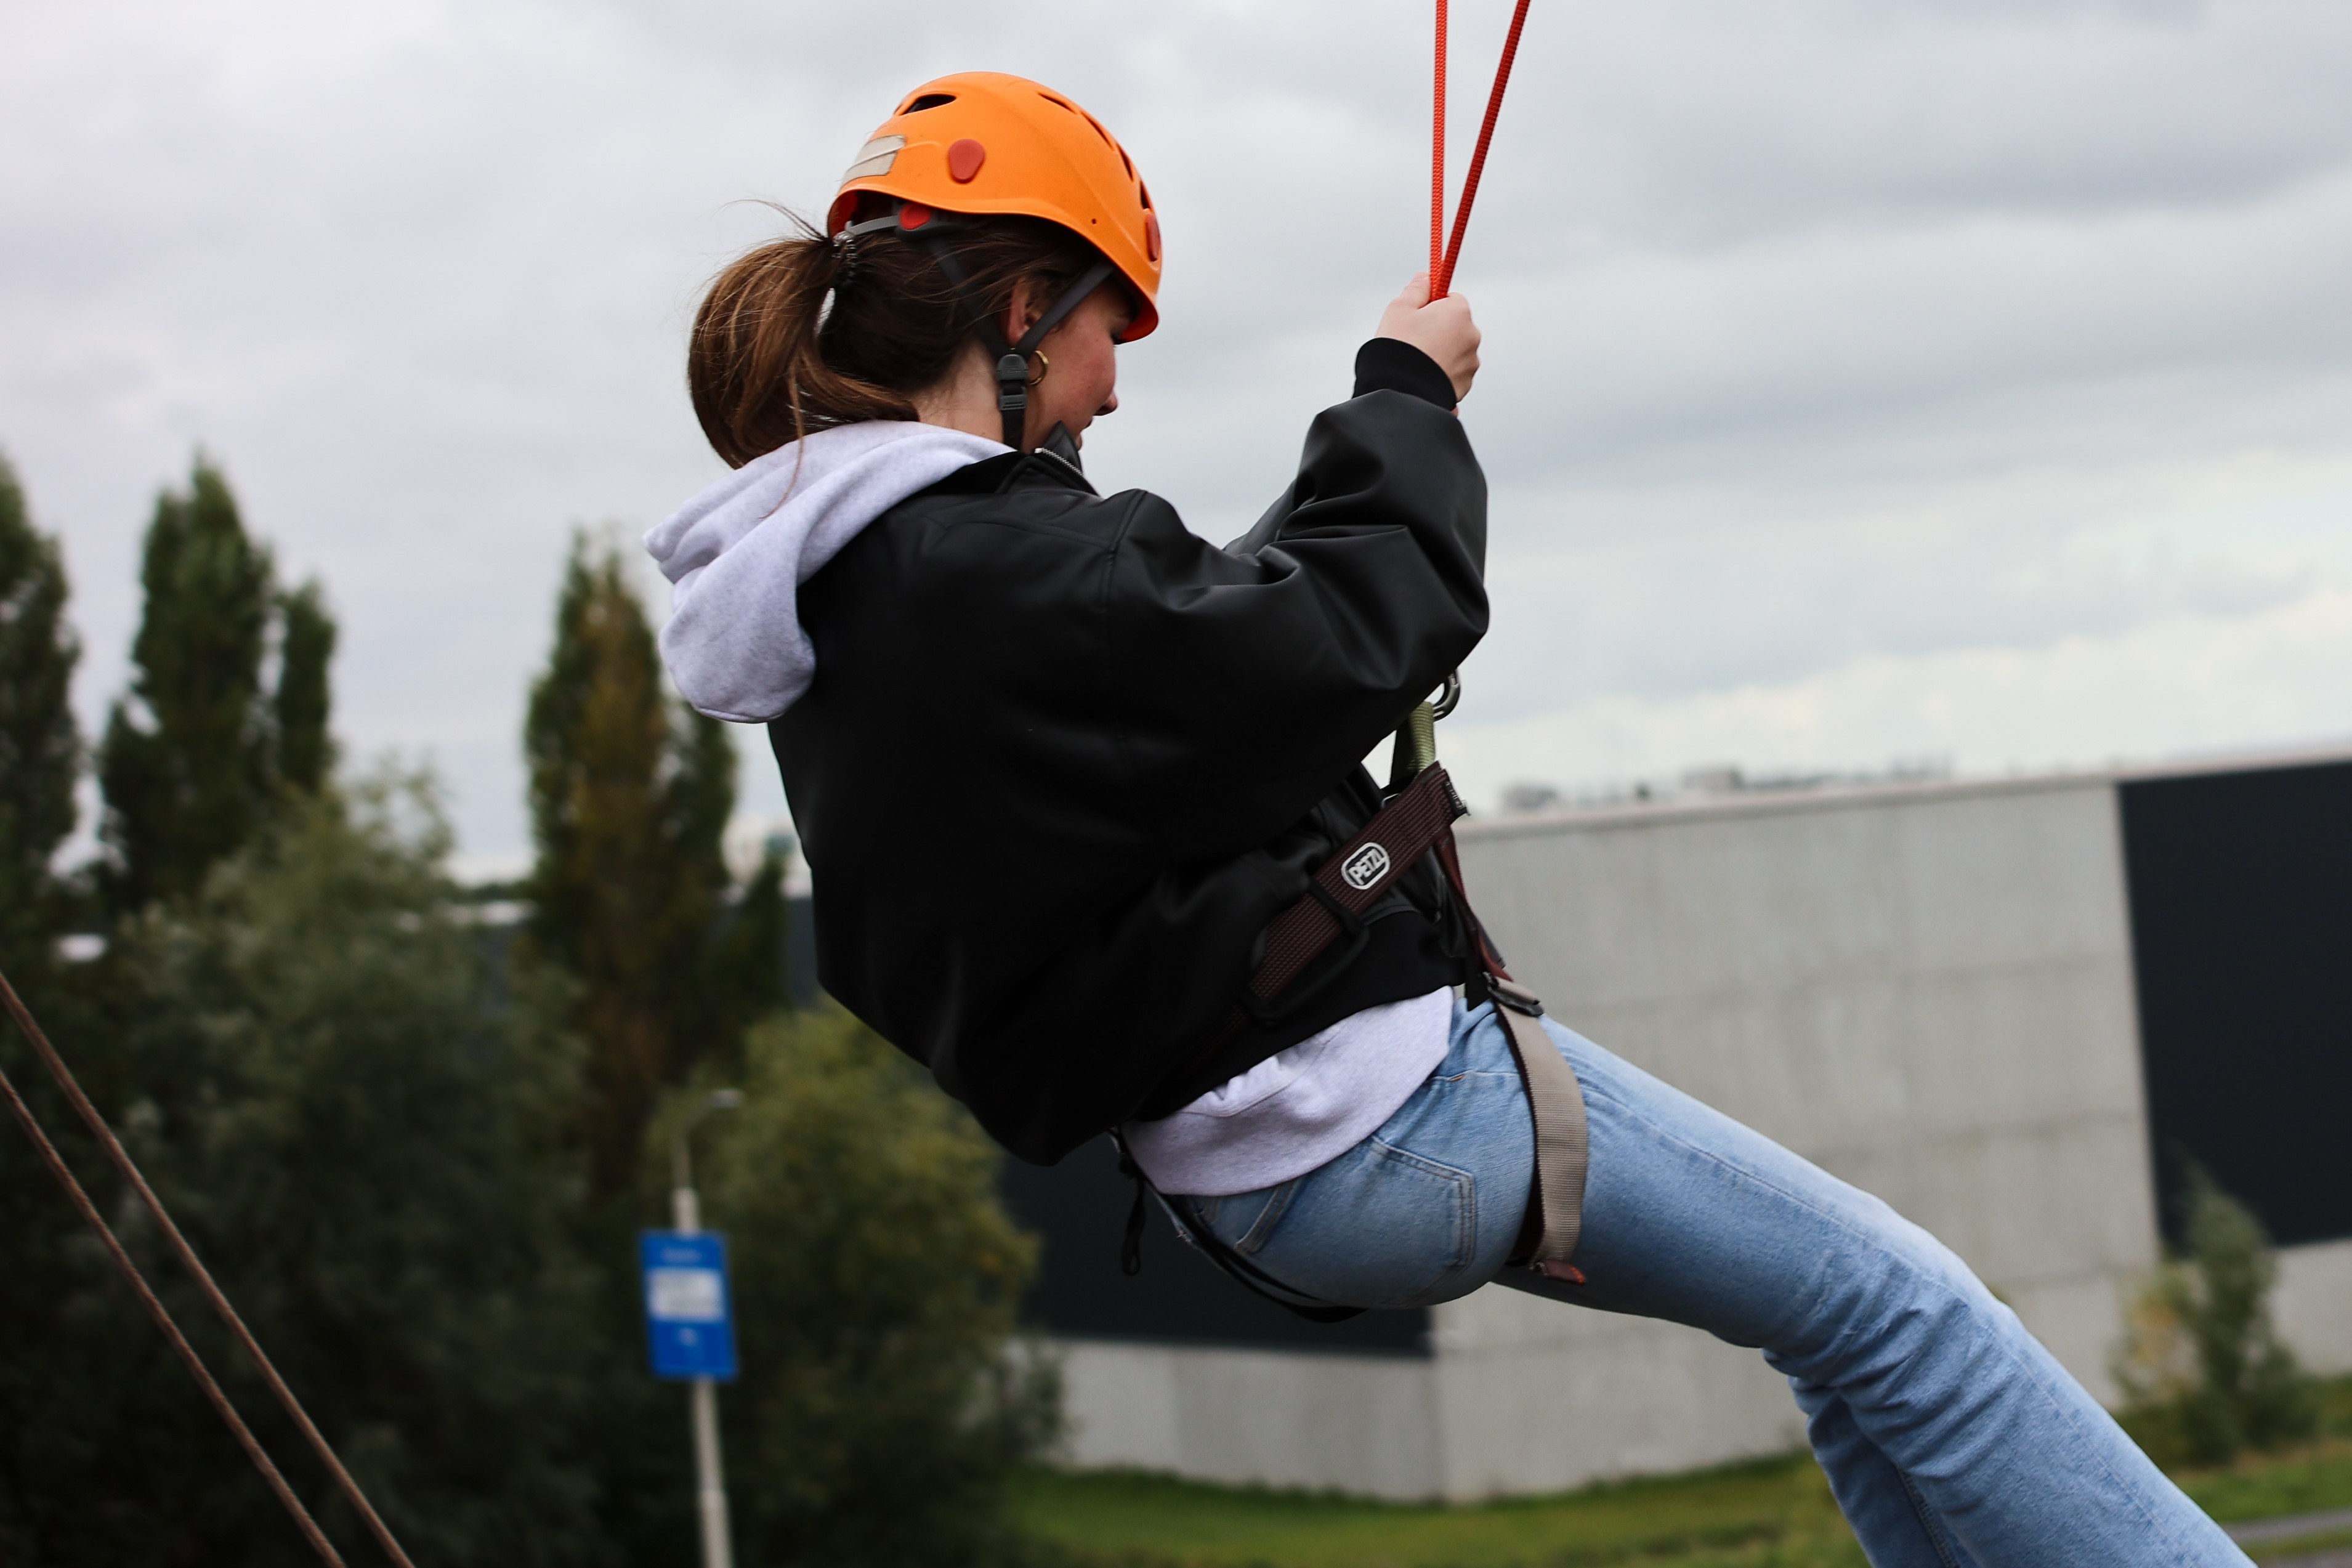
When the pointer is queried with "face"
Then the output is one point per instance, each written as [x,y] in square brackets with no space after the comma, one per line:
[1081,362]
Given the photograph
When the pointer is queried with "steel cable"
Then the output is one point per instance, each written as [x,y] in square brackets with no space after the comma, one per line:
[122,1162]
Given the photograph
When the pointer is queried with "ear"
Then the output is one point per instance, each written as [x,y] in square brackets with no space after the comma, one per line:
[1028,303]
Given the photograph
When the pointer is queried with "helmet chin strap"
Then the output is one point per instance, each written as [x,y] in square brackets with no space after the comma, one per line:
[934,229]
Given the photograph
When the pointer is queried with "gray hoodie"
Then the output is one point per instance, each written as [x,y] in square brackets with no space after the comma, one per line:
[736,555]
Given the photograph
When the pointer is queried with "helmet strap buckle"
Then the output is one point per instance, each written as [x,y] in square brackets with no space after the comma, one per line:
[934,229]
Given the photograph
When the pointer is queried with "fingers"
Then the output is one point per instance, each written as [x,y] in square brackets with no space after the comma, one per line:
[1441,328]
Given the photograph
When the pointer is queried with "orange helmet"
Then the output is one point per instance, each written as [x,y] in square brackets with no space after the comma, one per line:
[985,143]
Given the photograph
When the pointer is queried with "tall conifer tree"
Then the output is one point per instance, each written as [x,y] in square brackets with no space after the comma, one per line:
[196,754]
[185,760]
[630,794]
[41,754]
[306,645]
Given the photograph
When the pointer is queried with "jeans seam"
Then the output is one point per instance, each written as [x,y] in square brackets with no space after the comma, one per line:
[1927,1516]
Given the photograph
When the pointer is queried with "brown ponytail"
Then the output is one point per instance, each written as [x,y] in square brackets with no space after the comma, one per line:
[803,333]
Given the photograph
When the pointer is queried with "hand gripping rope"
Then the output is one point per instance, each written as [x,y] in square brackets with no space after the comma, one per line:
[196,1272]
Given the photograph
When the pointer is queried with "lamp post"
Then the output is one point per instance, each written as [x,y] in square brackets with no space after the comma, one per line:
[686,1216]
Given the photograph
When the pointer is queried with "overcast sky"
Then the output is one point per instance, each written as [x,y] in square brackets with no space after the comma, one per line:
[1865,379]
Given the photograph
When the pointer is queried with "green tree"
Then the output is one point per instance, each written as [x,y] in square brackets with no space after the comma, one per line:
[630,793]
[40,752]
[198,754]
[300,707]
[877,1280]
[373,1159]
[2202,1363]
[185,759]
[747,963]
[46,1275]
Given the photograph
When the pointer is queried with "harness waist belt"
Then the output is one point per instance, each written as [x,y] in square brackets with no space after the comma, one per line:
[1417,821]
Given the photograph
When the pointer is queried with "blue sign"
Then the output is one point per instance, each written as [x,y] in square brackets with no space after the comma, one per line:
[688,1314]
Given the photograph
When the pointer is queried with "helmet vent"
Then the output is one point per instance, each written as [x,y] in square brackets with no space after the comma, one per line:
[929,100]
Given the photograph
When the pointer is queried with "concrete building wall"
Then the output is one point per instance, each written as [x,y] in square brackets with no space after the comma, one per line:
[1358,1424]
[2313,1304]
[1927,992]
[1535,1397]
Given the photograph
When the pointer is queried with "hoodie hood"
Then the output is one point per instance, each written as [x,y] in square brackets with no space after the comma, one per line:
[736,555]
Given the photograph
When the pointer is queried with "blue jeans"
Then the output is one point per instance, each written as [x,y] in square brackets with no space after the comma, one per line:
[1951,1438]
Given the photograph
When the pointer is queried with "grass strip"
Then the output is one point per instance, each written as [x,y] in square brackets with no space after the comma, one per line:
[1774,1513]
[1771,1514]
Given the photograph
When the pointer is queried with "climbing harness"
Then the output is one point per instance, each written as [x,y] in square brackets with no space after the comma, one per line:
[178,1242]
[1299,958]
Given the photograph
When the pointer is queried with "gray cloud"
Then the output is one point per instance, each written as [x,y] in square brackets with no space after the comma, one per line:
[1816,332]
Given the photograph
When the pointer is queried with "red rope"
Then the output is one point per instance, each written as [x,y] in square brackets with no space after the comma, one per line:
[1440,281]
[1437,161]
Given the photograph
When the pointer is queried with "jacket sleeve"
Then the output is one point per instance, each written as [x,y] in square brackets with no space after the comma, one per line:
[1251,678]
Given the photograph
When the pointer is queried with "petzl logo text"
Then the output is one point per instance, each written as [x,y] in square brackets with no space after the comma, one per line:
[1365,866]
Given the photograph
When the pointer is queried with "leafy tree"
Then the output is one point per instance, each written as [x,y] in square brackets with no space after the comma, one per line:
[630,793]
[41,754]
[46,1273]
[2202,1363]
[371,1158]
[877,1284]
[191,783]
[747,964]
[305,753]
[194,758]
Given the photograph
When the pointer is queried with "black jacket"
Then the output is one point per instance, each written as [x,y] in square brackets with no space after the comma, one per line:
[1062,759]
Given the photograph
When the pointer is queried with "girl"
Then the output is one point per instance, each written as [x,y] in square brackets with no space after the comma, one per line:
[1072,781]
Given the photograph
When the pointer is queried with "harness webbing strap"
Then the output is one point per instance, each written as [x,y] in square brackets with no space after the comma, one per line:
[1563,1150]
[1419,820]
[1357,876]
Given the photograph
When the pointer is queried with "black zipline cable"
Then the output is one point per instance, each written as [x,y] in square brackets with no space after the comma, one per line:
[157,1311]
[203,1277]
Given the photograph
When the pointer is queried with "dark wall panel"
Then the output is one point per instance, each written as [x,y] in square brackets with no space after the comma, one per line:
[2240,887]
[1079,1210]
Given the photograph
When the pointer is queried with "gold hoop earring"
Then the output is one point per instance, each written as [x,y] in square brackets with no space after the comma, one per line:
[1044,366]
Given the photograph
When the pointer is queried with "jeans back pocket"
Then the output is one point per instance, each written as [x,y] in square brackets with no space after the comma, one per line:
[1378,1227]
